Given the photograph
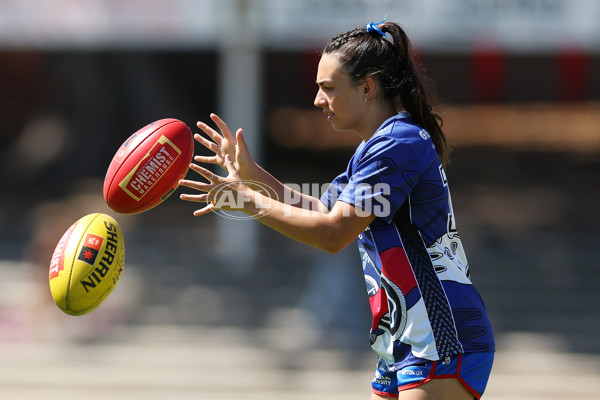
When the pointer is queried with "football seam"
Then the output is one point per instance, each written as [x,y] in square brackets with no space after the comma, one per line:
[68,297]
[134,211]
[110,289]
[96,303]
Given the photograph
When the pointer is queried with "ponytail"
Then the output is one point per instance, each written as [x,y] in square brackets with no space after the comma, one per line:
[368,52]
[412,93]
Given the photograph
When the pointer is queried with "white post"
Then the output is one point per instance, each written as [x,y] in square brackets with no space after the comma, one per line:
[239,105]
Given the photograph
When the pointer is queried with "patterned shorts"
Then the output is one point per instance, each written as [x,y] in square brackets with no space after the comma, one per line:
[471,369]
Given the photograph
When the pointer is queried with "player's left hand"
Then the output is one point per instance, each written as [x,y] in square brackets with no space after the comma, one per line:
[228,193]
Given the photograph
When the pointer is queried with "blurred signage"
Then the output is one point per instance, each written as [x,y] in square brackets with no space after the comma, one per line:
[442,25]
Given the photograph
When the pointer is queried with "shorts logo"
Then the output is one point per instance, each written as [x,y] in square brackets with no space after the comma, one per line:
[382,379]
[90,248]
[411,372]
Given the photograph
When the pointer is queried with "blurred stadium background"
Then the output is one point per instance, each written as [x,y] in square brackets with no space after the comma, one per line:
[213,308]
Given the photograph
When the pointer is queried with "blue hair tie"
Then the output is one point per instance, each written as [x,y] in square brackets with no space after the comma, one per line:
[371,26]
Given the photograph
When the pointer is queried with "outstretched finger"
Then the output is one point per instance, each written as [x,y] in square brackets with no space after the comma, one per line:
[210,145]
[205,173]
[223,127]
[214,135]
[229,166]
[204,210]
[241,141]
[202,187]
[198,198]
[206,159]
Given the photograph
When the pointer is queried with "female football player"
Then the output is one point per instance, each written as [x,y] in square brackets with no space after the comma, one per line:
[430,328]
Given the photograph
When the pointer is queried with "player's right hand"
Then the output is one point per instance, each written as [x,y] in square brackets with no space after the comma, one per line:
[223,144]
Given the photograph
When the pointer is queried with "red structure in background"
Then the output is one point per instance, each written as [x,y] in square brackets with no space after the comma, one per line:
[488,66]
[573,74]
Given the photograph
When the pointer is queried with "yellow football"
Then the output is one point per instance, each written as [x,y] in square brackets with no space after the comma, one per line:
[87,263]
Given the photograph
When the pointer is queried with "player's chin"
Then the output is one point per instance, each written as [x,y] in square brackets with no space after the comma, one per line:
[340,128]
[337,126]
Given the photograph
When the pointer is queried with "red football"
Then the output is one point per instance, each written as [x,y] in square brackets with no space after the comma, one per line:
[148,166]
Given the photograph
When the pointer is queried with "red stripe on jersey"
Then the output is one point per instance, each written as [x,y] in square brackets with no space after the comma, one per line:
[396,267]
[379,306]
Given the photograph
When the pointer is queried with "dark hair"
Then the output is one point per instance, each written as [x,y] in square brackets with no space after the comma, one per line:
[365,53]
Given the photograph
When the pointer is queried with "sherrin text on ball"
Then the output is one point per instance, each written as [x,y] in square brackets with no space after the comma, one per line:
[87,263]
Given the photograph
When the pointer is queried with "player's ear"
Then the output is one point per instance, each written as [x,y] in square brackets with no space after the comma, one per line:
[369,88]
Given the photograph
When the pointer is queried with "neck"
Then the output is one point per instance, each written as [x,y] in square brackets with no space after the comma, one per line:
[378,114]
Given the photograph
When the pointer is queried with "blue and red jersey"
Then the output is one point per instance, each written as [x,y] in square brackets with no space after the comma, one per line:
[423,302]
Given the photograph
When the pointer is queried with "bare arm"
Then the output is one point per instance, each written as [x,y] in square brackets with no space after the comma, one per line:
[255,177]
[283,192]
[330,231]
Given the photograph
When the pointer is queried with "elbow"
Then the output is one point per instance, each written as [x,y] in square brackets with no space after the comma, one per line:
[335,235]
[335,246]
[336,239]
[331,249]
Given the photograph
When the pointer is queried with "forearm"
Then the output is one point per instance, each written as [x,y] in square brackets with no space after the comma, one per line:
[260,180]
[330,231]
